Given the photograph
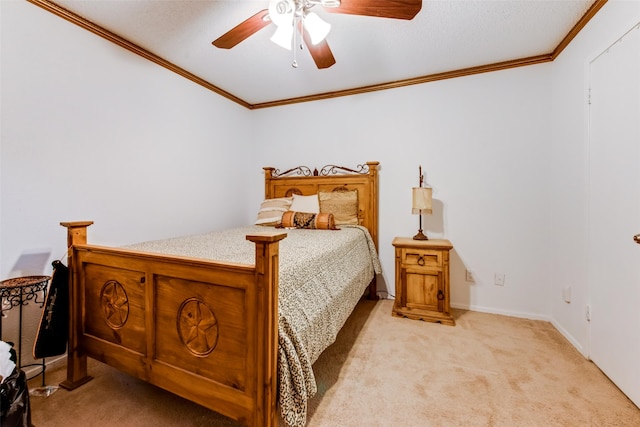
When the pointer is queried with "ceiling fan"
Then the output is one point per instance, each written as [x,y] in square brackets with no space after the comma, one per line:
[295,19]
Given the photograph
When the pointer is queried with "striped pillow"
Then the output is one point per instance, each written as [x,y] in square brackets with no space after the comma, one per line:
[271,210]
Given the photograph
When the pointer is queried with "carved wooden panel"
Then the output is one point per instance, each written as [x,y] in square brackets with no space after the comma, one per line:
[115,299]
[201,327]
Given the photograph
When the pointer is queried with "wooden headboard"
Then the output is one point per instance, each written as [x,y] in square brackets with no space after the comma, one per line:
[302,180]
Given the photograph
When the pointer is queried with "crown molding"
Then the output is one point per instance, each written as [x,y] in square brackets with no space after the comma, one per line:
[114,38]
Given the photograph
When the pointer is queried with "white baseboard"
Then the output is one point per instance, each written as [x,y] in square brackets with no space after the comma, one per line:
[570,338]
[521,314]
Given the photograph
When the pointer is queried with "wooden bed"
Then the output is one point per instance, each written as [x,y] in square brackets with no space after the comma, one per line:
[127,307]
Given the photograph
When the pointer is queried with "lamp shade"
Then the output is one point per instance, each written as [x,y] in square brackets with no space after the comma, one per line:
[283,36]
[317,28]
[421,201]
[281,13]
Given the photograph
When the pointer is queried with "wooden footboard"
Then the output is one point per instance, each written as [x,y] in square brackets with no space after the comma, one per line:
[206,331]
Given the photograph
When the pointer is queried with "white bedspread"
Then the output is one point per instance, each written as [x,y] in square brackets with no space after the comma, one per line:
[323,274]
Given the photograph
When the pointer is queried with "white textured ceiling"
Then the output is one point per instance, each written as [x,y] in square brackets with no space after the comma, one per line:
[446,35]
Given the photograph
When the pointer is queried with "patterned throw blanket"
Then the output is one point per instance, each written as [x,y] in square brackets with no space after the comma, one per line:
[323,274]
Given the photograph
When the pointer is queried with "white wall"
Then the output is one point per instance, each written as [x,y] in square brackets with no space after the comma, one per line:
[483,142]
[569,162]
[91,131]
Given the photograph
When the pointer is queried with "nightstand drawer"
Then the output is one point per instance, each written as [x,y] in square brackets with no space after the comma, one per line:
[421,257]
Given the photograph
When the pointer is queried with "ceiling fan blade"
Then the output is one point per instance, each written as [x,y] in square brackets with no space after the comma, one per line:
[243,30]
[321,52]
[398,9]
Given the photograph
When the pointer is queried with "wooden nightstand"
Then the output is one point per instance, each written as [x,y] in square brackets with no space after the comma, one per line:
[422,280]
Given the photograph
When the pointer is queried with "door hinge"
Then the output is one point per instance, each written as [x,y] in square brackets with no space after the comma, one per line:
[588,313]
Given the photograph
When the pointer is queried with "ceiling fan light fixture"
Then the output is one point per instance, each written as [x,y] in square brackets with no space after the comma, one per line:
[282,14]
[318,28]
[283,36]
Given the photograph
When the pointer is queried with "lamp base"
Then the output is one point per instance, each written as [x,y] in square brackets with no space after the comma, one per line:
[420,236]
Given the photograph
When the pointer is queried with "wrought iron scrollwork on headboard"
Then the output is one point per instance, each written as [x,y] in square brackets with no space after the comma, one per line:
[299,170]
[333,169]
[324,171]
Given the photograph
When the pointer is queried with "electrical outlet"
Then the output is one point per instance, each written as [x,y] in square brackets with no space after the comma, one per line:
[499,279]
[470,277]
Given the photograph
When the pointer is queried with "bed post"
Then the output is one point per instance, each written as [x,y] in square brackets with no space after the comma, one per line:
[373,209]
[268,175]
[267,262]
[76,360]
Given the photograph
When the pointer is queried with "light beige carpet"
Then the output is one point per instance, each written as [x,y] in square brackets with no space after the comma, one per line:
[488,370]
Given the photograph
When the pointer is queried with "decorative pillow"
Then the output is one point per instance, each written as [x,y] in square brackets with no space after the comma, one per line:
[271,210]
[320,221]
[307,204]
[342,204]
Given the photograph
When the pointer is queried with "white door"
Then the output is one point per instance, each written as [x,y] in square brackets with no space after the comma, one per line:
[614,213]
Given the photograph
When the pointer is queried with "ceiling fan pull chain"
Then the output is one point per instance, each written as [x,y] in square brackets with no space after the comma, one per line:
[296,42]
[294,64]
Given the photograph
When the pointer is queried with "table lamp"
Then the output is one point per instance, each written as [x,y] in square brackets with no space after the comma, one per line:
[421,204]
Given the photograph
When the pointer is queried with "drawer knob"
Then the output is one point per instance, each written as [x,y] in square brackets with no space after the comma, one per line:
[440,295]
[421,260]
